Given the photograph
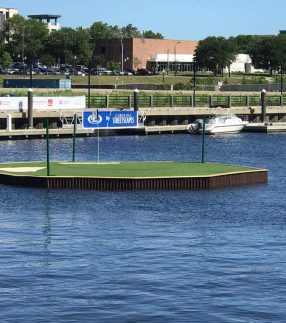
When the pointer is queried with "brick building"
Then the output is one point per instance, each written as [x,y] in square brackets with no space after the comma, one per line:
[154,54]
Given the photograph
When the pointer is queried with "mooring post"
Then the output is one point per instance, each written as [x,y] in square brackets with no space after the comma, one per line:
[9,122]
[30,108]
[263,105]
[136,100]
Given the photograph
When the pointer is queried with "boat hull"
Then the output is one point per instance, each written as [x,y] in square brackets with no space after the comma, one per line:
[213,129]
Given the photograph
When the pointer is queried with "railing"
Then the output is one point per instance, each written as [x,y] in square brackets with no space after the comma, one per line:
[153,101]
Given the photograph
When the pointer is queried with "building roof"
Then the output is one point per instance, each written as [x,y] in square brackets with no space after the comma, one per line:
[44,16]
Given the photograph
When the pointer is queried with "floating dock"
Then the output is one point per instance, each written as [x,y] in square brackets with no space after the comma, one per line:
[265,127]
[121,176]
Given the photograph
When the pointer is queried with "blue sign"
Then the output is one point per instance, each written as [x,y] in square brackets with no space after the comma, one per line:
[109,119]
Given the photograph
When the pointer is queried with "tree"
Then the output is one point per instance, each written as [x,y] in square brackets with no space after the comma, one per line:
[5,60]
[102,30]
[152,35]
[244,42]
[112,65]
[130,31]
[215,53]
[25,37]
[69,46]
[269,53]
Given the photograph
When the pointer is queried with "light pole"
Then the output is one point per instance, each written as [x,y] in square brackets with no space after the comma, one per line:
[23,43]
[281,79]
[163,72]
[175,56]
[168,62]
[122,47]
[194,83]
[88,103]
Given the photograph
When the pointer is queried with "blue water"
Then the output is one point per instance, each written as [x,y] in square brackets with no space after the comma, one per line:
[178,256]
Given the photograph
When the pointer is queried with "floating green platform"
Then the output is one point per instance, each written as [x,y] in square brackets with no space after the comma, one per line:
[153,175]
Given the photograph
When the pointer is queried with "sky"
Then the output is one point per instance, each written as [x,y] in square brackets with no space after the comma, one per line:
[174,19]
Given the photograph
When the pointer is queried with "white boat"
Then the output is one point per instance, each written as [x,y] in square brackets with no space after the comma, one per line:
[224,123]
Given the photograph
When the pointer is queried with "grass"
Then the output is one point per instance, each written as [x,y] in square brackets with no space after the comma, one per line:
[184,78]
[123,169]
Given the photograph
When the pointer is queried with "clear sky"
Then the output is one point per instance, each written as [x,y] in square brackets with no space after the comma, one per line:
[175,19]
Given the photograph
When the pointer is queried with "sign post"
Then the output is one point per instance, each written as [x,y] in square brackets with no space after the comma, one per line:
[74,136]
[48,147]
[118,119]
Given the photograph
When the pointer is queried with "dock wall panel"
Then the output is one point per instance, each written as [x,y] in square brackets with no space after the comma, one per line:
[124,184]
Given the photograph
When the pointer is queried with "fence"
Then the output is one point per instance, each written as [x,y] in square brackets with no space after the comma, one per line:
[153,101]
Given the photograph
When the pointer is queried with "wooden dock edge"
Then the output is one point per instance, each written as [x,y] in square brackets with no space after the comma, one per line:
[153,184]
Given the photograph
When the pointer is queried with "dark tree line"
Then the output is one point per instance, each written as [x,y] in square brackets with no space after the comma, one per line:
[266,52]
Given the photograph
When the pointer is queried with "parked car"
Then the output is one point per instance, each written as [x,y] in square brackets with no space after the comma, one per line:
[130,70]
[126,73]
[100,71]
[143,71]
[11,71]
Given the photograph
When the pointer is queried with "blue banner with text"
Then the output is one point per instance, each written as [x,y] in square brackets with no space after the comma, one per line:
[109,119]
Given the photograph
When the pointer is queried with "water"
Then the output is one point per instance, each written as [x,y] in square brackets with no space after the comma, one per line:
[179,256]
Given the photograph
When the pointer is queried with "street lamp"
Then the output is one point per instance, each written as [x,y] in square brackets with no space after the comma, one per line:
[175,56]
[89,69]
[163,72]
[23,43]
[281,79]
[121,40]
[194,83]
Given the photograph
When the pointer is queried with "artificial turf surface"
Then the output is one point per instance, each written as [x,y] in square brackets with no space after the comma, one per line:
[124,169]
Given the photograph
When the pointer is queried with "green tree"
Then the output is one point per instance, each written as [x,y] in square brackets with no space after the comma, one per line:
[244,42]
[5,60]
[25,37]
[112,65]
[100,30]
[130,31]
[269,53]
[152,35]
[69,46]
[215,53]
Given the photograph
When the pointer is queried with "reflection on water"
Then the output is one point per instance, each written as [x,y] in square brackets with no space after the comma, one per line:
[182,256]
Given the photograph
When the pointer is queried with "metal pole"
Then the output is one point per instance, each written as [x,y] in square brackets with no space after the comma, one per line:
[88,95]
[281,80]
[74,136]
[48,147]
[203,142]
[194,84]
[175,58]
[98,146]
[23,44]
[121,54]
[30,108]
